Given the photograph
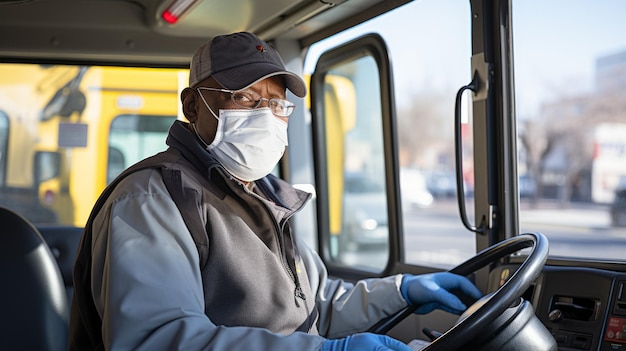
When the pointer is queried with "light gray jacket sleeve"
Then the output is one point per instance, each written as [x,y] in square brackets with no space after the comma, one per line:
[347,308]
[147,285]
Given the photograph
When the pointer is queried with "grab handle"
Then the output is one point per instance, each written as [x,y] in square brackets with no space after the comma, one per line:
[458,143]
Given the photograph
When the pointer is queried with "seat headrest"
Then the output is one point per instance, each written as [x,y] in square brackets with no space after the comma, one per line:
[33,301]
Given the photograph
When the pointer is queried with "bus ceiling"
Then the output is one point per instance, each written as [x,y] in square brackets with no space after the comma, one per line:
[146,30]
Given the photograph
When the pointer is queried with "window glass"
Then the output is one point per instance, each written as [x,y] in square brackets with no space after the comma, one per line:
[47,165]
[431,61]
[73,128]
[356,173]
[133,138]
[570,76]
[4,140]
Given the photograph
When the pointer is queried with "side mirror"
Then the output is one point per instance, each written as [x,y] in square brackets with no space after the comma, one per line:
[46,165]
[64,103]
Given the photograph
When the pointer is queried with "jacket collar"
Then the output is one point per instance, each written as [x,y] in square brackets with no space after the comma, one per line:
[182,139]
[282,193]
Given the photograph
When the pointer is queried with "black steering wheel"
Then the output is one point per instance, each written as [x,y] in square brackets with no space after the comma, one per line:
[469,327]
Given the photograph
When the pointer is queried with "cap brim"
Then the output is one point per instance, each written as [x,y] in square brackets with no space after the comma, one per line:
[232,79]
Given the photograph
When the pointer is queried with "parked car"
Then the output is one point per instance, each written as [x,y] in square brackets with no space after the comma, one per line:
[442,184]
[415,193]
[527,186]
[365,212]
[618,208]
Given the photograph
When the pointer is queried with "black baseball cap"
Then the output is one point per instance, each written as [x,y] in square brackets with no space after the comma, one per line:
[239,60]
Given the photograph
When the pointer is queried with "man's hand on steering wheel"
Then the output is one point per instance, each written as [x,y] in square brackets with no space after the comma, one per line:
[432,291]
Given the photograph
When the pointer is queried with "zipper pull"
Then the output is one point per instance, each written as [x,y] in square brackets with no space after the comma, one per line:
[298,293]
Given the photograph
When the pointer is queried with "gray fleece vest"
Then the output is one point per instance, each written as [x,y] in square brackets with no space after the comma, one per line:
[251,271]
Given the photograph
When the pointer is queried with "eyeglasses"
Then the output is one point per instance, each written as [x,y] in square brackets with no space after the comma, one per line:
[248,99]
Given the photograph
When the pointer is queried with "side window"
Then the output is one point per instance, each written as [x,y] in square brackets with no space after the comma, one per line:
[74,128]
[396,144]
[116,163]
[4,145]
[354,164]
[133,138]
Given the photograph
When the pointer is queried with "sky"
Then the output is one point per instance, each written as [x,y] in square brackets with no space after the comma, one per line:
[556,43]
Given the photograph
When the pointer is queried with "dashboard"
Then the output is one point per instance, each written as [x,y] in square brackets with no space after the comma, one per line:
[583,308]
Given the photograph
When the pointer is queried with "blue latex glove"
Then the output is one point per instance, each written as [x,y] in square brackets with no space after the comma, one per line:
[365,342]
[432,291]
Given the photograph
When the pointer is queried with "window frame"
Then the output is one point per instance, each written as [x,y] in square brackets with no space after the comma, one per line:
[366,45]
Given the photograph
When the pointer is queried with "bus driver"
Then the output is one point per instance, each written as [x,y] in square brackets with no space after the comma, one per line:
[145,281]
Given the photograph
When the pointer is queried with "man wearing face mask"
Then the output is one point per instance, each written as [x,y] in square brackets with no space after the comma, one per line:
[211,262]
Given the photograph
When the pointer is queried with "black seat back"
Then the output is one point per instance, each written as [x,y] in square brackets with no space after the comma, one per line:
[63,243]
[34,309]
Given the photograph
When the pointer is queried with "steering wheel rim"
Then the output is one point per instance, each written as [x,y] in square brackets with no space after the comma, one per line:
[501,299]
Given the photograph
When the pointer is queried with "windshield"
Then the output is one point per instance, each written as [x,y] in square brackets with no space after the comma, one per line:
[67,131]
[571,126]
[569,91]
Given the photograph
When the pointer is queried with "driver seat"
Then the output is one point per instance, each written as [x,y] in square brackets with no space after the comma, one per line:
[35,311]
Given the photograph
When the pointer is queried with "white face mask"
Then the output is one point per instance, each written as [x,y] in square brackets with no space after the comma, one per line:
[248,143]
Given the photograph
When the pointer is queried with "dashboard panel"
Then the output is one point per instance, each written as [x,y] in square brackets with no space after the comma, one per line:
[583,308]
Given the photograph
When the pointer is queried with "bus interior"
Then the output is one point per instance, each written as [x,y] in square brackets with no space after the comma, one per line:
[482,137]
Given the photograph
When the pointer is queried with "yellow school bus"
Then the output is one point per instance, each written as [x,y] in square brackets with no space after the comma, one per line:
[83,126]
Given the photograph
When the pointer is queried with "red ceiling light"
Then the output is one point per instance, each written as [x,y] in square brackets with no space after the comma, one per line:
[177,9]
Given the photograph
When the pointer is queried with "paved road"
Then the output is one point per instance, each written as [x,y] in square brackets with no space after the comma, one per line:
[436,237]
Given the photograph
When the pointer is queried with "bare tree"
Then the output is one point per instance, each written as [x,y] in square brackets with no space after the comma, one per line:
[426,129]
[538,140]
[567,127]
